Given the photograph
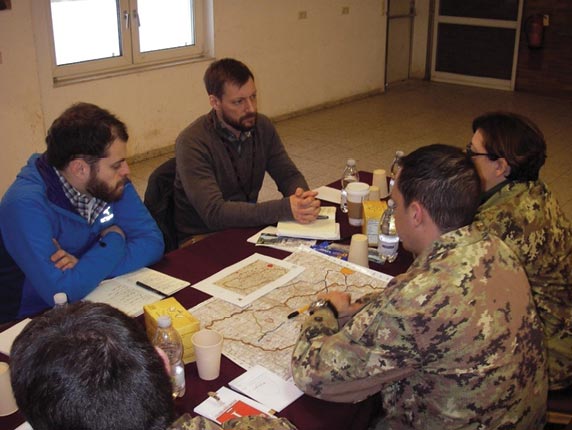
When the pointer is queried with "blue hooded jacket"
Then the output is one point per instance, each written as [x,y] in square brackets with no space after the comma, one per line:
[34,211]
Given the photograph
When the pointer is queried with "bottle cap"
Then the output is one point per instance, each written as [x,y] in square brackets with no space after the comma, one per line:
[390,203]
[351,162]
[60,298]
[164,321]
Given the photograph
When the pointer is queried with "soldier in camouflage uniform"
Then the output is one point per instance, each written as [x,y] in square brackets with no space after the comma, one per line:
[508,151]
[453,343]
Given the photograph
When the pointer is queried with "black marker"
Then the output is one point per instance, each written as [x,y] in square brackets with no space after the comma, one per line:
[148,288]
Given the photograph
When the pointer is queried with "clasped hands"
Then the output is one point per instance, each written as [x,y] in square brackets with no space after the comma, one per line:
[304,205]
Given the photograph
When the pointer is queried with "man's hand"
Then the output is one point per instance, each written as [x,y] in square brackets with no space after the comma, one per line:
[342,302]
[113,228]
[304,205]
[62,259]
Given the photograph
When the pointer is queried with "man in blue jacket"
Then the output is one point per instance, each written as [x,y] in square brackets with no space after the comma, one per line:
[72,218]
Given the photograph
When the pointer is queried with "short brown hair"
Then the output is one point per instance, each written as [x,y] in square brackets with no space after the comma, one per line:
[223,71]
[516,139]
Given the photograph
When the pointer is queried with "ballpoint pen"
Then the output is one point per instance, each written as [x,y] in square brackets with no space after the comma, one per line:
[299,311]
[153,290]
[322,217]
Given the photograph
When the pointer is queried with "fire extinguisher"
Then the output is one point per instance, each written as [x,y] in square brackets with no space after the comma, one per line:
[534,30]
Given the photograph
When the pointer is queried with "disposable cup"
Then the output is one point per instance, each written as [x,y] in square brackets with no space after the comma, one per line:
[380,180]
[359,250]
[373,193]
[208,350]
[357,193]
[7,402]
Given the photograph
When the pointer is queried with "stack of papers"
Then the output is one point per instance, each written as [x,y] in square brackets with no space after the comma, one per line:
[324,229]
[266,387]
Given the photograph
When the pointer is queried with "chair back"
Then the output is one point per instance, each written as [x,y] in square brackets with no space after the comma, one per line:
[159,199]
[559,406]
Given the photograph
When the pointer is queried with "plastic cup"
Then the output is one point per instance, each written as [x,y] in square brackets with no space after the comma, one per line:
[208,350]
[373,193]
[7,402]
[380,180]
[357,193]
[358,250]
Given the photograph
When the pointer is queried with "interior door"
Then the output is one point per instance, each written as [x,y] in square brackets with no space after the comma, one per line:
[400,15]
[475,42]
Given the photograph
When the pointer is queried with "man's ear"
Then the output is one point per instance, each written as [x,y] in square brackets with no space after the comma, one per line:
[165,359]
[415,212]
[79,169]
[214,101]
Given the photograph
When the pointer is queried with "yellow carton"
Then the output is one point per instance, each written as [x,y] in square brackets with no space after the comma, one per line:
[185,324]
[372,211]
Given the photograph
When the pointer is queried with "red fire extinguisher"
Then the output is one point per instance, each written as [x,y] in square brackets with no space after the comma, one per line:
[534,30]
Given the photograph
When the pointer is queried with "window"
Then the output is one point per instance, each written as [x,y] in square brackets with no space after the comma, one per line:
[94,36]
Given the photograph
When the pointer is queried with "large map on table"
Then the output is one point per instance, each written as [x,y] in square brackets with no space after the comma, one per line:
[262,333]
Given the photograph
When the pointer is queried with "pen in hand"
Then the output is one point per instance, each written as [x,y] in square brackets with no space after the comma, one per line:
[299,311]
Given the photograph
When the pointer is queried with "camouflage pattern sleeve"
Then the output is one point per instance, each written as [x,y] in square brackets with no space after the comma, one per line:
[186,422]
[347,365]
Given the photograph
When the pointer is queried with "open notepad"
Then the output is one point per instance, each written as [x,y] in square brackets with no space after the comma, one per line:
[324,229]
[130,292]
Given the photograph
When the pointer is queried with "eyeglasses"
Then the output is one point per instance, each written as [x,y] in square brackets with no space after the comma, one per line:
[471,153]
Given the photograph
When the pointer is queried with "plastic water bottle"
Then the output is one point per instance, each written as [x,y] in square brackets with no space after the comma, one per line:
[394,168]
[169,340]
[60,299]
[350,175]
[388,244]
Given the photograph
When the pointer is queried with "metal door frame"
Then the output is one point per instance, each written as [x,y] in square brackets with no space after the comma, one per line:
[456,78]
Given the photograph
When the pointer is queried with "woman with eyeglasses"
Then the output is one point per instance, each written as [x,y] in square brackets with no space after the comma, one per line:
[508,151]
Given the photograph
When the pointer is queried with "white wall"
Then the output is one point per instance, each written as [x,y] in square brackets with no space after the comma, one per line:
[297,64]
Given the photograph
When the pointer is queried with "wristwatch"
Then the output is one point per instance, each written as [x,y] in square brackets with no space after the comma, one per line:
[323,303]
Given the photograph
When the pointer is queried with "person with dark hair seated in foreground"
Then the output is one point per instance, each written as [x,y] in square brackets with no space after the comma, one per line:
[508,151]
[72,218]
[453,343]
[89,366]
[222,158]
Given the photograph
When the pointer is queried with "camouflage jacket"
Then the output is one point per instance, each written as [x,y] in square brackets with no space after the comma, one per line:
[245,423]
[453,343]
[527,217]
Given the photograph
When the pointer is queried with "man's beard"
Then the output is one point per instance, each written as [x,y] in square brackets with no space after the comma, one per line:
[100,190]
[238,125]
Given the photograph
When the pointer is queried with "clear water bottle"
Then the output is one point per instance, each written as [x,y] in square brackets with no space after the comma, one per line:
[60,299]
[394,168]
[169,340]
[388,244]
[350,175]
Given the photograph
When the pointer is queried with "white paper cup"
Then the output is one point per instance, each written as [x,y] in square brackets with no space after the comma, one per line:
[7,402]
[373,193]
[357,193]
[358,250]
[380,180]
[208,350]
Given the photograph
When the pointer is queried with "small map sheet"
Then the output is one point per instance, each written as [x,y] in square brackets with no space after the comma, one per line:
[249,279]
[261,333]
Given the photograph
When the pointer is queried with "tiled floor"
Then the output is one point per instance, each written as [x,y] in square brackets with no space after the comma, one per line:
[407,116]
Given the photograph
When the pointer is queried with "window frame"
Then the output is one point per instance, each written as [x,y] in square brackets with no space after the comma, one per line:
[131,60]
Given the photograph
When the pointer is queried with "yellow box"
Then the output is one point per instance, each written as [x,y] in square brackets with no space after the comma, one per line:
[372,212]
[185,324]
